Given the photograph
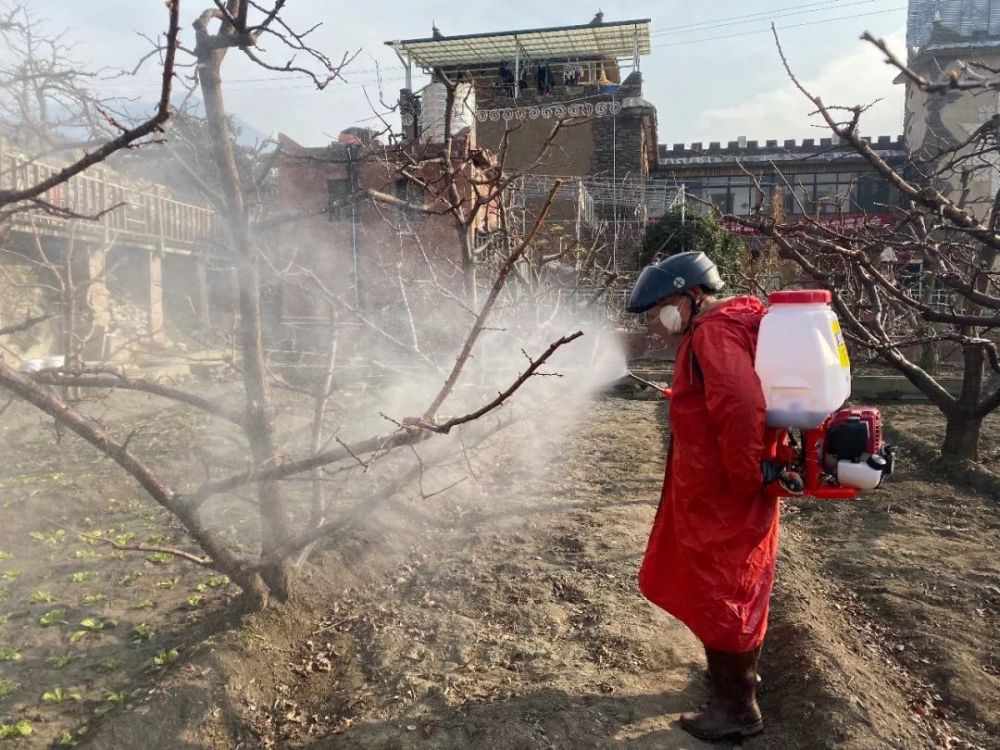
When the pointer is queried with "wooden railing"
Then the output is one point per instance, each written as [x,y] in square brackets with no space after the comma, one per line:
[147,217]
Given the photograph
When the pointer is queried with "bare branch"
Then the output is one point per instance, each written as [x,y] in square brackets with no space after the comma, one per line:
[28,322]
[127,138]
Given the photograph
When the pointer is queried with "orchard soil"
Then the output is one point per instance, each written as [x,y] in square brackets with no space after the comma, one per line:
[499,613]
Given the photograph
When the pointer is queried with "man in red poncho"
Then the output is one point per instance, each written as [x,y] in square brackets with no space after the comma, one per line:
[711,554]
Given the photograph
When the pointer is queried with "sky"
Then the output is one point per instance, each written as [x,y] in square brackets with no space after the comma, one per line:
[714,73]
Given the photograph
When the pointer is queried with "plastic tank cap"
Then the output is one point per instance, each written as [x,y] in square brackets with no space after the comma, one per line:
[801,297]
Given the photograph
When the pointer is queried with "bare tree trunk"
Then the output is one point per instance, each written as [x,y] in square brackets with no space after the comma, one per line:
[317,515]
[259,426]
[929,353]
[467,243]
[961,438]
[71,339]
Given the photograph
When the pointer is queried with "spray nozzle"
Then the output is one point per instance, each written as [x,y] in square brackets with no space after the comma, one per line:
[666,392]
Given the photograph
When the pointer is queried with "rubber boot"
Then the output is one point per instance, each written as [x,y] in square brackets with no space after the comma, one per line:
[756,671]
[732,710]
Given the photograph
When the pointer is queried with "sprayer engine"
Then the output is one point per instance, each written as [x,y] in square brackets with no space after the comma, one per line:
[854,451]
[838,459]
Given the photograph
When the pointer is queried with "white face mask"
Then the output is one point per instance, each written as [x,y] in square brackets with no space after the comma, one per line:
[671,320]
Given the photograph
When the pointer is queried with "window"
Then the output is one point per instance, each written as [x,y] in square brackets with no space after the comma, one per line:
[337,193]
[830,197]
[718,195]
[799,199]
[911,279]
[874,194]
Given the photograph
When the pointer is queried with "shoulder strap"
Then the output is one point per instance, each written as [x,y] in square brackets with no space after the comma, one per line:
[696,371]
[696,368]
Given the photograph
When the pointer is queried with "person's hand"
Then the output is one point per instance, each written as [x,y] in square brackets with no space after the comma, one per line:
[790,481]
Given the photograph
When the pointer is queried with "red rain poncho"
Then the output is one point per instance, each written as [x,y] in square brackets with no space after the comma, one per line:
[711,554]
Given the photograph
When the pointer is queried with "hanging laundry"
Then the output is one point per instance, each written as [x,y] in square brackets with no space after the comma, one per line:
[545,79]
[506,79]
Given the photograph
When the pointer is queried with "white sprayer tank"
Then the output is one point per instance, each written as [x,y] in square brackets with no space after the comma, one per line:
[802,361]
[433,105]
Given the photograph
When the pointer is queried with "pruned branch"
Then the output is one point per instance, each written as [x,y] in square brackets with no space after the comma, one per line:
[28,322]
[953,81]
[116,381]
[50,403]
[127,138]
[175,551]
[446,426]
[487,308]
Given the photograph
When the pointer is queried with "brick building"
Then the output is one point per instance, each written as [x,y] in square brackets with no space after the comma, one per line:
[349,241]
[815,177]
[512,87]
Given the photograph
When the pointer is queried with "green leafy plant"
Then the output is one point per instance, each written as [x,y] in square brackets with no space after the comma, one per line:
[53,617]
[60,661]
[58,695]
[119,698]
[42,597]
[94,598]
[128,578]
[21,728]
[110,665]
[9,654]
[66,739]
[164,658]
[161,558]
[678,231]
[81,576]
[97,624]
[170,583]
[87,554]
[90,625]
[213,583]
[194,601]
[144,604]
[52,539]
[141,633]
[156,539]
[5,555]
[10,575]
[7,687]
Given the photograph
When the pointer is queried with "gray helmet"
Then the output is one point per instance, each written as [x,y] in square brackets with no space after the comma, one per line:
[673,275]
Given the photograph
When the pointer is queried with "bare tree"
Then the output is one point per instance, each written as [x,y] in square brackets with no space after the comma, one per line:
[239,26]
[48,97]
[951,299]
[22,197]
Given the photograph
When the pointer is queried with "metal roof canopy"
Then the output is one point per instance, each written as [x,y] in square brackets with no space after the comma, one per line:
[618,39]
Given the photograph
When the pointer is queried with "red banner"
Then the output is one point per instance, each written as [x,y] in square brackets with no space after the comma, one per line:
[840,222]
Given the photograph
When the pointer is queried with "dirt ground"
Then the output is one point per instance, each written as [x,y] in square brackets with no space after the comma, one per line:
[501,613]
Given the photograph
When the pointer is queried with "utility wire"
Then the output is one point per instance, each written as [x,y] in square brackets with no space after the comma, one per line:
[779,28]
[767,15]
[704,26]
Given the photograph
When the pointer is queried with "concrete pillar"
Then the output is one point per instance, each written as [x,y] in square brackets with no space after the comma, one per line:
[154,307]
[203,305]
[98,302]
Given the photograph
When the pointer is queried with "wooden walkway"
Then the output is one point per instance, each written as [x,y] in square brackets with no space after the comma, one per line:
[149,218]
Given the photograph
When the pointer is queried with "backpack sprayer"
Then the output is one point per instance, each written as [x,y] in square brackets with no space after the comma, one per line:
[805,374]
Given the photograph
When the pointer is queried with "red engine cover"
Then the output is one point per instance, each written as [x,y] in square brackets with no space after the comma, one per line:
[867,414]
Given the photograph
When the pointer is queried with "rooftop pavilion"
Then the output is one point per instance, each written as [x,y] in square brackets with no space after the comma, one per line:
[598,50]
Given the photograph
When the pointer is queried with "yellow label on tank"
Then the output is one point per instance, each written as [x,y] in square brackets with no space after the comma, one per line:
[838,336]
